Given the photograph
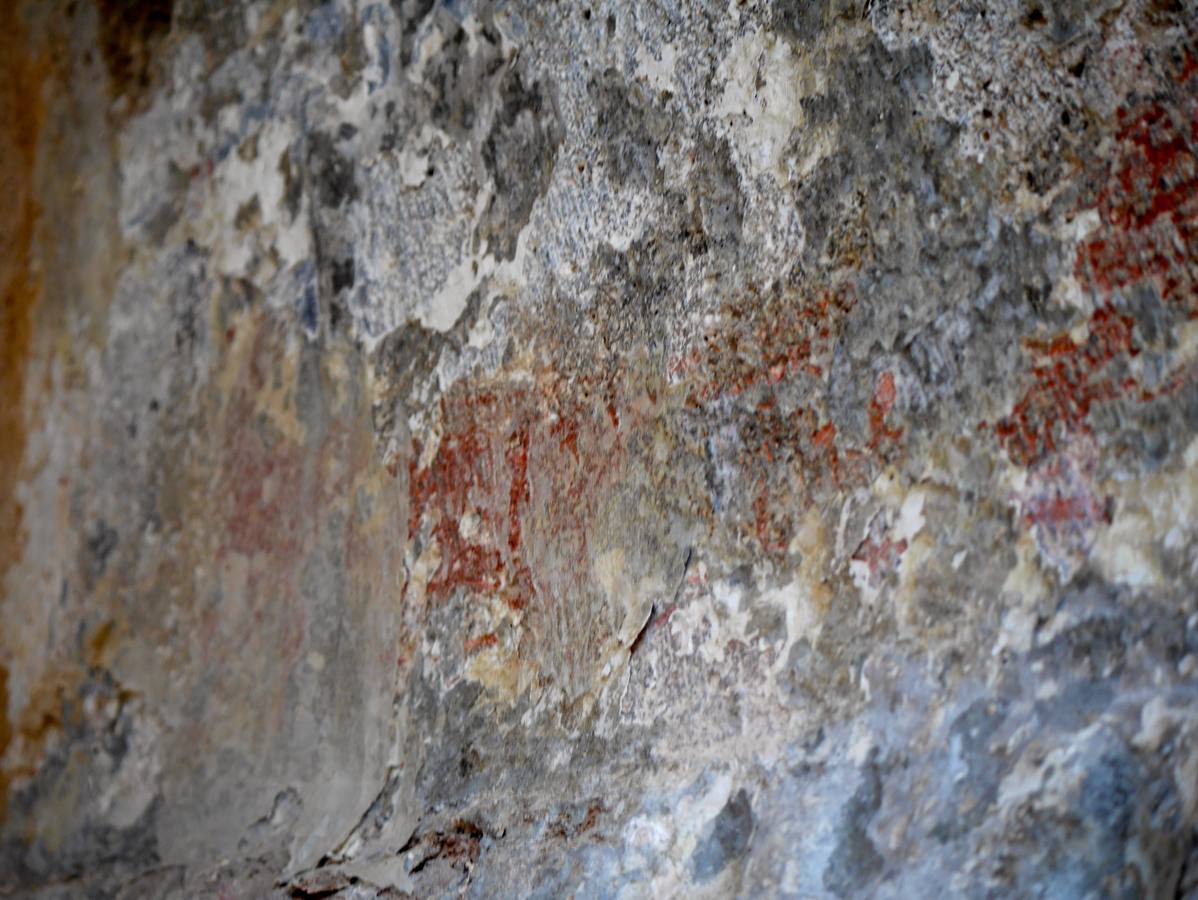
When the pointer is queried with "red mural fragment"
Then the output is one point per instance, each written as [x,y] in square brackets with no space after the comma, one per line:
[762,341]
[1068,379]
[1148,204]
[480,643]
[879,408]
[880,555]
[1148,235]
[473,497]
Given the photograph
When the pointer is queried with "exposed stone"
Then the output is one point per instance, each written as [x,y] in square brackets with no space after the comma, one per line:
[505,448]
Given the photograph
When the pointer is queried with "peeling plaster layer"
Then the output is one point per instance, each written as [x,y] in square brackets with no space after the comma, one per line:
[598,449]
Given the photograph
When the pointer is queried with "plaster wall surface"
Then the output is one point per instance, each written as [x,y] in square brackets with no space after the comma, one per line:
[493,448]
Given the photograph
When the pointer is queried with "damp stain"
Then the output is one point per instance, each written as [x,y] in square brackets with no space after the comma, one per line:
[22,110]
[130,33]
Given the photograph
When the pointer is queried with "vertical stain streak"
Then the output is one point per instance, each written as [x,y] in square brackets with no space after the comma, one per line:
[23,74]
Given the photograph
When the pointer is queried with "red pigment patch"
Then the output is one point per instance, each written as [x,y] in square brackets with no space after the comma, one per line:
[1068,380]
[762,341]
[483,642]
[1060,507]
[464,466]
[1149,209]
[881,556]
[879,408]
[1148,206]
[1148,203]
[473,498]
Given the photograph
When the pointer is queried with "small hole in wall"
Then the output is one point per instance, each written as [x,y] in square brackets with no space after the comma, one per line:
[586,14]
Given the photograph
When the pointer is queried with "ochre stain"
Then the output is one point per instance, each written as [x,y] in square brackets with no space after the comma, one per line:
[23,75]
[477,644]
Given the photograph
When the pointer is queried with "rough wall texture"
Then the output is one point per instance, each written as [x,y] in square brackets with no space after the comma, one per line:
[599,448]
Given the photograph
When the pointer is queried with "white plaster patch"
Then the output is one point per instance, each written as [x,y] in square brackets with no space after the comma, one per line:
[236,184]
[657,70]
[764,83]
[1154,513]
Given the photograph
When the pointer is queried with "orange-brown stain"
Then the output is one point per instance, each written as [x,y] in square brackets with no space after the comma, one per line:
[23,73]
[22,111]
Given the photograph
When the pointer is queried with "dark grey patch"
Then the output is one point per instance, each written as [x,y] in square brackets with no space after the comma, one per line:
[1095,647]
[1082,853]
[309,310]
[453,767]
[807,20]
[727,839]
[519,153]
[343,274]
[457,79]
[1076,706]
[100,544]
[312,396]
[716,199]
[332,173]
[628,131]
[972,733]
[160,222]
[96,732]
[406,358]
[638,286]
[332,185]
[856,862]
[767,622]
[1109,795]
[293,186]
[410,13]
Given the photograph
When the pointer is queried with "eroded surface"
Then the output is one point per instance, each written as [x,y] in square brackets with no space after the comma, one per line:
[599,449]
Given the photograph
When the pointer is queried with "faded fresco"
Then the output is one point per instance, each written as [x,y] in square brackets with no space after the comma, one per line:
[514,448]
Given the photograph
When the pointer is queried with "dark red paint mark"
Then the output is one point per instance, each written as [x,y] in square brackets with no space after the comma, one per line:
[473,498]
[1148,203]
[483,642]
[518,494]
[881,556]
[1068,381]
[879,408]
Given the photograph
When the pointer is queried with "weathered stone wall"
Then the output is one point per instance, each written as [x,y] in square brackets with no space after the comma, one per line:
[599,448]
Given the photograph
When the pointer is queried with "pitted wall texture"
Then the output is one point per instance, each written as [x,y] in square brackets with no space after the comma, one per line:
[600,449]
